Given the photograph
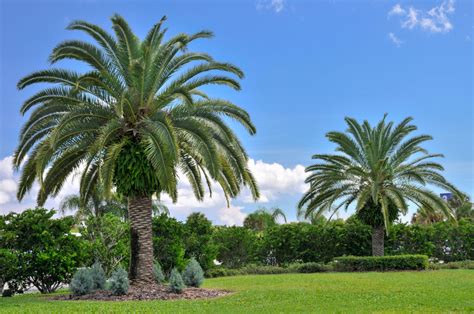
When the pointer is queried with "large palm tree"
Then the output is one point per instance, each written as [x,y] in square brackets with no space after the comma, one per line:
[136,118]
[380,170]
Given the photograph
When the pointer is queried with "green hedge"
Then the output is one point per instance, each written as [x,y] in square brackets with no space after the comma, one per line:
[253,269]
[303,242]
[381,263]
[442,241]
[311,267]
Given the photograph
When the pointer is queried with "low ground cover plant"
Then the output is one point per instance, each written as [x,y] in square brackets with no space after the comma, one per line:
[452,265]
[176,281]
[98,276]
[158,273]
[118,282]
[193,275]
[381,263]
[82,282]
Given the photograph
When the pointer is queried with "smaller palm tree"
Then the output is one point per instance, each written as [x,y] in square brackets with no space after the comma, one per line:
[425,216]
[379,170]
[98,204]
[460,205]
[263,218]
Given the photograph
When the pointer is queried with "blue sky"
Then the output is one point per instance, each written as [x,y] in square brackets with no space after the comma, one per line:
[308,64]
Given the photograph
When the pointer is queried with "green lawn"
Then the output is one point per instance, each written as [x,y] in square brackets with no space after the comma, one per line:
[430,291]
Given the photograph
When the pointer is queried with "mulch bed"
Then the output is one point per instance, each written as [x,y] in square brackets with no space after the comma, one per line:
[155,292]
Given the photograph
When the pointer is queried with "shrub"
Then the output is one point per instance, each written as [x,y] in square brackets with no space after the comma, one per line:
[176,281]
[262,270]
[98,276]
[197,240]
[267,270]
[158,273]
[47,254]
[8,267]
[236,246]
[107,240]
[82,282]
[168,243]
[310,267]
[452,265]
[221,272]
[381,263]
[193,275]
[301,242]
[443,241]
[118,282]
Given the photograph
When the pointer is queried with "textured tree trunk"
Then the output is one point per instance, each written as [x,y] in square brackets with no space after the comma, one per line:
[378,241]
[141,255]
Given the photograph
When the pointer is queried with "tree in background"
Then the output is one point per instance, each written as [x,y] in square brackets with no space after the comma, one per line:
[263,218]
[197,240]
[460,205]
[135,117]
[313,218]
[424,216]
[108,240]
[236,246]
[98,204]
[169,243]
[379,169]
[46,253]
[8,266]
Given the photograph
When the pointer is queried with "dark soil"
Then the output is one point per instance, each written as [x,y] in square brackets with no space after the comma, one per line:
[154,292]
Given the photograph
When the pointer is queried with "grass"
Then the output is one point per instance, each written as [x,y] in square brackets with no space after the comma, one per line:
[395,292]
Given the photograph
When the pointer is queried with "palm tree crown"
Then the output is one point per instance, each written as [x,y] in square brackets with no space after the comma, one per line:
[263,218]
[134,119]
[379,168]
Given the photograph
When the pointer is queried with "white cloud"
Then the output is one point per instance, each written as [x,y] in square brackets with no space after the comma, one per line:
[232,216]
[434,20]
[6,167]
[9,185]
[274,5]
[411,19]
[395,40]
[275,181]
[397,10]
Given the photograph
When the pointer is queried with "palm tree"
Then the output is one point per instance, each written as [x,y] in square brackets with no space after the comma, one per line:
[97,205]
[263,218]
[425,216]
[132,121]
[379,170]
[460,205]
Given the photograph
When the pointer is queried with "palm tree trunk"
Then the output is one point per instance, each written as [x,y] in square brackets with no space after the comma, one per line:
[141,255]
[378,241]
